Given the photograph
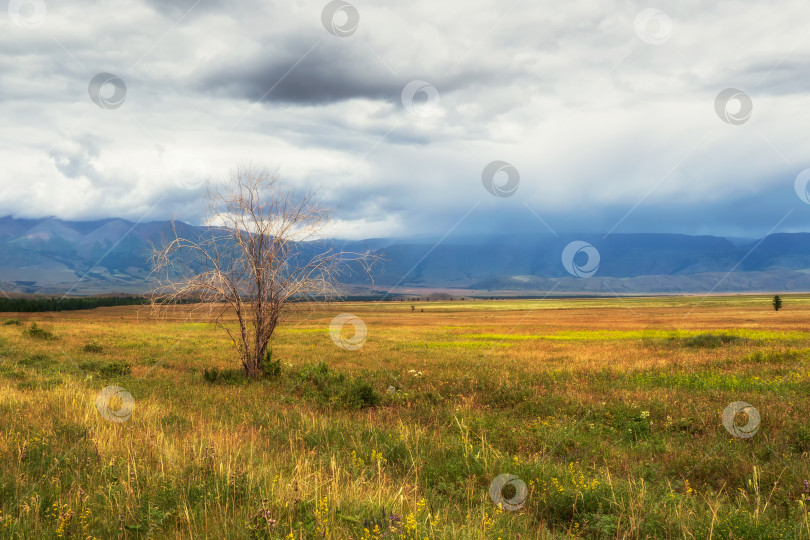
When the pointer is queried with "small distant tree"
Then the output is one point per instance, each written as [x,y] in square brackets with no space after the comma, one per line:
[776,302]
[260,250]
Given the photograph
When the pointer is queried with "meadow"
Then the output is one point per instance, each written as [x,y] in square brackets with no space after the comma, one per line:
[607,414]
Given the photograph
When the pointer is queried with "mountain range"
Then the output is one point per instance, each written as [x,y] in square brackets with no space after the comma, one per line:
[53,256]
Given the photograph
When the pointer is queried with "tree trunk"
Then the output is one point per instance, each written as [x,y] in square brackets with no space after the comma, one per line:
[253,368]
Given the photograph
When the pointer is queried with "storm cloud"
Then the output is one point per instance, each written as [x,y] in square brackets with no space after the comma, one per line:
[607,111]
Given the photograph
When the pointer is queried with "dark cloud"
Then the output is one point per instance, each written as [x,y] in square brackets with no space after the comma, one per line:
[312,72]
[320,76]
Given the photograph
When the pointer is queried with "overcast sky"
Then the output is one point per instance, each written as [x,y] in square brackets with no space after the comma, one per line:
[610,116]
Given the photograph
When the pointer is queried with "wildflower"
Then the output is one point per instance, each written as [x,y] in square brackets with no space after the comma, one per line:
[64,517]
[262,520]
[357,462]
[389,525]
[377,456]
[687,487]
[321,516]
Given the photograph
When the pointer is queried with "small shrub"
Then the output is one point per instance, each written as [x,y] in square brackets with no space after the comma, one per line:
[12,322]
[93,347]
[211,375]
[36,332]
[710,341]
[360,394]
[224,376]
[322,379]
[791,356]
[339,389]
[271,369]
[111,369]
[107,369]
[232,376]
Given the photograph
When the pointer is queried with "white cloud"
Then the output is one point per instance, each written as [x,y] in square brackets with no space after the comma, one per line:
[594,118]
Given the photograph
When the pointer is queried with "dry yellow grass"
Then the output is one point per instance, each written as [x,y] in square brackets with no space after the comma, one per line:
[615,429]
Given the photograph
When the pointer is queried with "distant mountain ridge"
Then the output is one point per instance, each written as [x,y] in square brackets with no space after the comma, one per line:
[53,256]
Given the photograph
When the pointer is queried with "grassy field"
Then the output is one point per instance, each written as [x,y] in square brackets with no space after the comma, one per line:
[609,412]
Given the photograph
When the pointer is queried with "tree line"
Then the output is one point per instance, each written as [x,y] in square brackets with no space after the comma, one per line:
[32,305]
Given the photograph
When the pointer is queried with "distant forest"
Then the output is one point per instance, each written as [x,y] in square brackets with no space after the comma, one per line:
[31,305]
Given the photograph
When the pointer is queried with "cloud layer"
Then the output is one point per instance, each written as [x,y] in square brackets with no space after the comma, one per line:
[606,111]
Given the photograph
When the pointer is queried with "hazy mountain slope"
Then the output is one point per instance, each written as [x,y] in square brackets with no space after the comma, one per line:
[53,256]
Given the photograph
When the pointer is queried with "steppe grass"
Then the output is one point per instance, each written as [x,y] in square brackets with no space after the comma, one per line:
[608,411]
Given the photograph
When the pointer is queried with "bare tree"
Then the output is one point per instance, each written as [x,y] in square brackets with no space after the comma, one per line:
[260,249]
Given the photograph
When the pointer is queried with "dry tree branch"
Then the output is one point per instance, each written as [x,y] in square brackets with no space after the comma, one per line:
[256,255]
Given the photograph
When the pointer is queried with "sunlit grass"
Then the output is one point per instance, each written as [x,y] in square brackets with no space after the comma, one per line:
[609,411]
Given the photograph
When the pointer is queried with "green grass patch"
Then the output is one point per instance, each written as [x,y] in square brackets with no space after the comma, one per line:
[34,331]
[106,369]
[224,376]
[711,341]
[335,389]
[502,337]
[93,347]
[38,361]
[704,381]
[460,345]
